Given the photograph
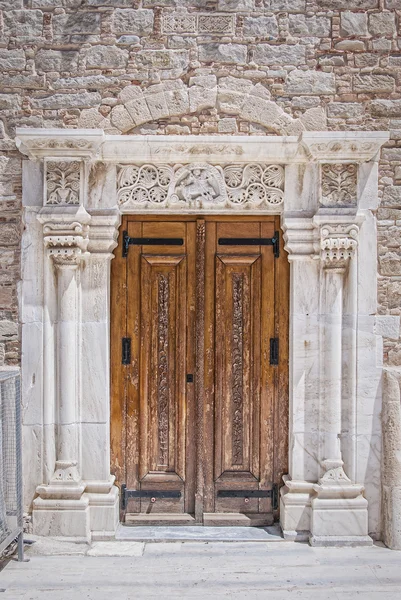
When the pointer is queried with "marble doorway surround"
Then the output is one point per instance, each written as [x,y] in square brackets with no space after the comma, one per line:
[76,185]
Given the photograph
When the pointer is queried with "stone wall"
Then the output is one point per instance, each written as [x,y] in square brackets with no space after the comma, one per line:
[248,67]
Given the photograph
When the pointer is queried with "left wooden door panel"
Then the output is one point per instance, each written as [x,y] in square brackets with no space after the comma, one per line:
[158,399]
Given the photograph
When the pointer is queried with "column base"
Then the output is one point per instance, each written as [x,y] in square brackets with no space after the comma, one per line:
[295,509]
[64,518]
[104,508]
[339,515]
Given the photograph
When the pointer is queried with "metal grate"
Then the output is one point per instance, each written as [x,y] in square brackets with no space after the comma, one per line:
[11,515]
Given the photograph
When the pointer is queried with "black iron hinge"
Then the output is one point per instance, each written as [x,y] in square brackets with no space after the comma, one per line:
[274,241]
[126,351]
[129,241]
[274,351]
[151,494]
[249,494]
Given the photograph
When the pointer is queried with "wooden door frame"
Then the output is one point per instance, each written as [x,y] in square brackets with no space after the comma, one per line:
[118,320]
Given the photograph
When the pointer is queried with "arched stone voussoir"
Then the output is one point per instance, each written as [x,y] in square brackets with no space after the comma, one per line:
[229,96]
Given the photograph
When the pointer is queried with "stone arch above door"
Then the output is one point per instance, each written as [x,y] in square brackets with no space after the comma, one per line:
[227,96]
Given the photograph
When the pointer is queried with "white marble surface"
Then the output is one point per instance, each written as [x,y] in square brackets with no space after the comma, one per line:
[312,377]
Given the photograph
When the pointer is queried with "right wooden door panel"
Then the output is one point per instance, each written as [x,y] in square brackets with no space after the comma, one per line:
[240,322]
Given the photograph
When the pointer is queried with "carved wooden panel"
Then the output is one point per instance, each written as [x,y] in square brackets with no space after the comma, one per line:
[208,310]
[238,303]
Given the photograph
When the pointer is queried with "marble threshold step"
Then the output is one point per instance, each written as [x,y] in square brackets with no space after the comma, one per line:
[195,533]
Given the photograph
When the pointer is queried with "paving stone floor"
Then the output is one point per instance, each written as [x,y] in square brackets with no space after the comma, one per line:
[132,570]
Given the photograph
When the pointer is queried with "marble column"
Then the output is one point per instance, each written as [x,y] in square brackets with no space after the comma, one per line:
[61,509]
[339,510]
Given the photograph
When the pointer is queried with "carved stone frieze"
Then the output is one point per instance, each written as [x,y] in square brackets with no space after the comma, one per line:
[201,186]
[338,244]
[63,182]
[66,242]
[336,146]
[184,22]
[339,185]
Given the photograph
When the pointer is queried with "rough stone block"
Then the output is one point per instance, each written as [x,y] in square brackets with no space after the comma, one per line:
[235,5]
[353,23]
[382,23]
[235,84]
[314,119]
[261,27]
[392,196]
[11,4]
[224,53]
[9,235]
[345,4]
[137,22]
[106,57]
[229,101]
[345,110]
[366,60]
[385,108]
[311,83]
[309,26]
[373,83]
[177,102]
[286,5]
[138,110]
[29,82]
[12,60]
[56,60]
[89,81]
[60,101]
[163,59]
[227,125]
[26,25]
[206,81]
[120,3]
[201,98]
[87,23]
[392,4]
[157,105]
[351,46]
[280,55]
[8,101]
[121,118]
[261,111]
[8,329]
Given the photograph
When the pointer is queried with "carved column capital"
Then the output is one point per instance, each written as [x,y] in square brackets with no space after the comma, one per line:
[338,244]
[66,243]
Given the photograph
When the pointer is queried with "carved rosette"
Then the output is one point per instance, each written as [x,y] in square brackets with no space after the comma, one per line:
[339,185]
[63,182]
[66,243]
[200,186]
[338,245]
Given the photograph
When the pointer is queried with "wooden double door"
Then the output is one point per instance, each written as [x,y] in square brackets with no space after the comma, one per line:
[199,354]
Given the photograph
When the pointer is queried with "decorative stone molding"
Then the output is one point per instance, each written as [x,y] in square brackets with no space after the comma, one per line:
[339,185]
[340,146]
[63,182]
[338,244]
[41,143]
[201,186]
[206,23]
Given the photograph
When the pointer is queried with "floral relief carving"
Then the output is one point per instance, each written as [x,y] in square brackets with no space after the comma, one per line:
[163,369]
[63,182]
[237,371]
[339,185]
[200,185]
